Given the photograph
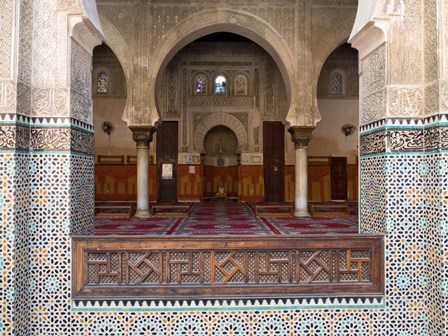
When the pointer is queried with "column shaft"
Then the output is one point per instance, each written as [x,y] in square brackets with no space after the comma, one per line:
[301,135]
[142,136]
[301,182]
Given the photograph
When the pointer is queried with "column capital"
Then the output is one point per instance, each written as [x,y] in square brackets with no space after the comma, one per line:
[301,135]
[142,135]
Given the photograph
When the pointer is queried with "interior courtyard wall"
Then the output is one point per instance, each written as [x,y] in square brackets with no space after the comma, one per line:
[337,108]
[403,158]
[265,86]
[170,28]
[109,107]
[392,185]
[435,105]
[46,157]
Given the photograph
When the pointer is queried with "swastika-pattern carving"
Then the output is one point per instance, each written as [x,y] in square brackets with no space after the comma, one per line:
[208,268]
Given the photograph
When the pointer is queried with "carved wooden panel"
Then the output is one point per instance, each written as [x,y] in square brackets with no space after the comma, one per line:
[153,267]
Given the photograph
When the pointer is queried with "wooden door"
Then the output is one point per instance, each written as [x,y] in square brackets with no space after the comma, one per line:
[167,150]
[338,178]
[274,161]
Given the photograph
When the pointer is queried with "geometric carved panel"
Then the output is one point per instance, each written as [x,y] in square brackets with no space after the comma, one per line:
[142,267]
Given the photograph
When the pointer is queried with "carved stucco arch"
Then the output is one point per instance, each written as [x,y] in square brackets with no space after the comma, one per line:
[327,45]
[222,20]
[220,119]
[323,49]
[116,42]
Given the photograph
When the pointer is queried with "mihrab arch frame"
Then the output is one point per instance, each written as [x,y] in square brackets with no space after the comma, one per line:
[220,119]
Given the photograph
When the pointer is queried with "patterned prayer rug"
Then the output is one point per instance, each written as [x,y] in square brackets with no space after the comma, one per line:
[315,225]
[226,219]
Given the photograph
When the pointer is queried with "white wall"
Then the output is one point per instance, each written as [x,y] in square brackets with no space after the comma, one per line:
[121,142]
[327,138]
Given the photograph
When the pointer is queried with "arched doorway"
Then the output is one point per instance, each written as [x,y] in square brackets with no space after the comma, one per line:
[226,80]
[220,162]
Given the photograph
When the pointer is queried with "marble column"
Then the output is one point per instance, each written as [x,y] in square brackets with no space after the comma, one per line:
[301,135]
[142,135]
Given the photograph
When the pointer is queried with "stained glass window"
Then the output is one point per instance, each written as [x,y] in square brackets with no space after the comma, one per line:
[336,84]
[200,85]
[102,85]
[220,85]
[240,85]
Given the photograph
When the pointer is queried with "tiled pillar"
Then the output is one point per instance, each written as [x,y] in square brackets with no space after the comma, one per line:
[14,161]
[142,135]
[301,136]
[403,158]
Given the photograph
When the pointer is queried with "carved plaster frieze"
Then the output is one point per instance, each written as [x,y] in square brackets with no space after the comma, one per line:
[24,66]
[405,140]
[304,115]
[444,96]
[123,18]
[62,139]
[405,101]
[82,142]
[372,143]
[50,102]
[373,107]
[301,135]
[444,27]
[405,135]
[374,71]
[280,18]
[171,91]
[326,20]
[45,52]
[19,132]
[71,6]
[13,137]
[119,45]
[221,101]
[7,97]
[81,83]
[220,119]
[436,138]
[430,40]
[269,90]
[23,99]
[81,107]
[7,15]
[431,101]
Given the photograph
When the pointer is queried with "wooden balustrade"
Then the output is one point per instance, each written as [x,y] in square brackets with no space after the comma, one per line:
[147,267]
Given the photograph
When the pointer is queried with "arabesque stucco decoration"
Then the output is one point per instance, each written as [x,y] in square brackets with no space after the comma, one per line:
[220,119]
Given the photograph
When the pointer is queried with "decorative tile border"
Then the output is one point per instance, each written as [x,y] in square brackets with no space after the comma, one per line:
[228,304]
[405,135]
[18,132]
[9,119]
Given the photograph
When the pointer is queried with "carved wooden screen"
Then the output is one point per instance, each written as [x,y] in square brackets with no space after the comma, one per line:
[144,267]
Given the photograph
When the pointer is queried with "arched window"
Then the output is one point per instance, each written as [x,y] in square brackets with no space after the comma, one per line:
[240,85]
[200,85]
[336,83]
[220,85]
[102,85]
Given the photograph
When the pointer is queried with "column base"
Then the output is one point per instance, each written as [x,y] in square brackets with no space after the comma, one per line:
[301,213]
[142,213]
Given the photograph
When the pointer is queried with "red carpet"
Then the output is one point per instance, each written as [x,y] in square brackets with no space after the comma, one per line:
[226,219]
